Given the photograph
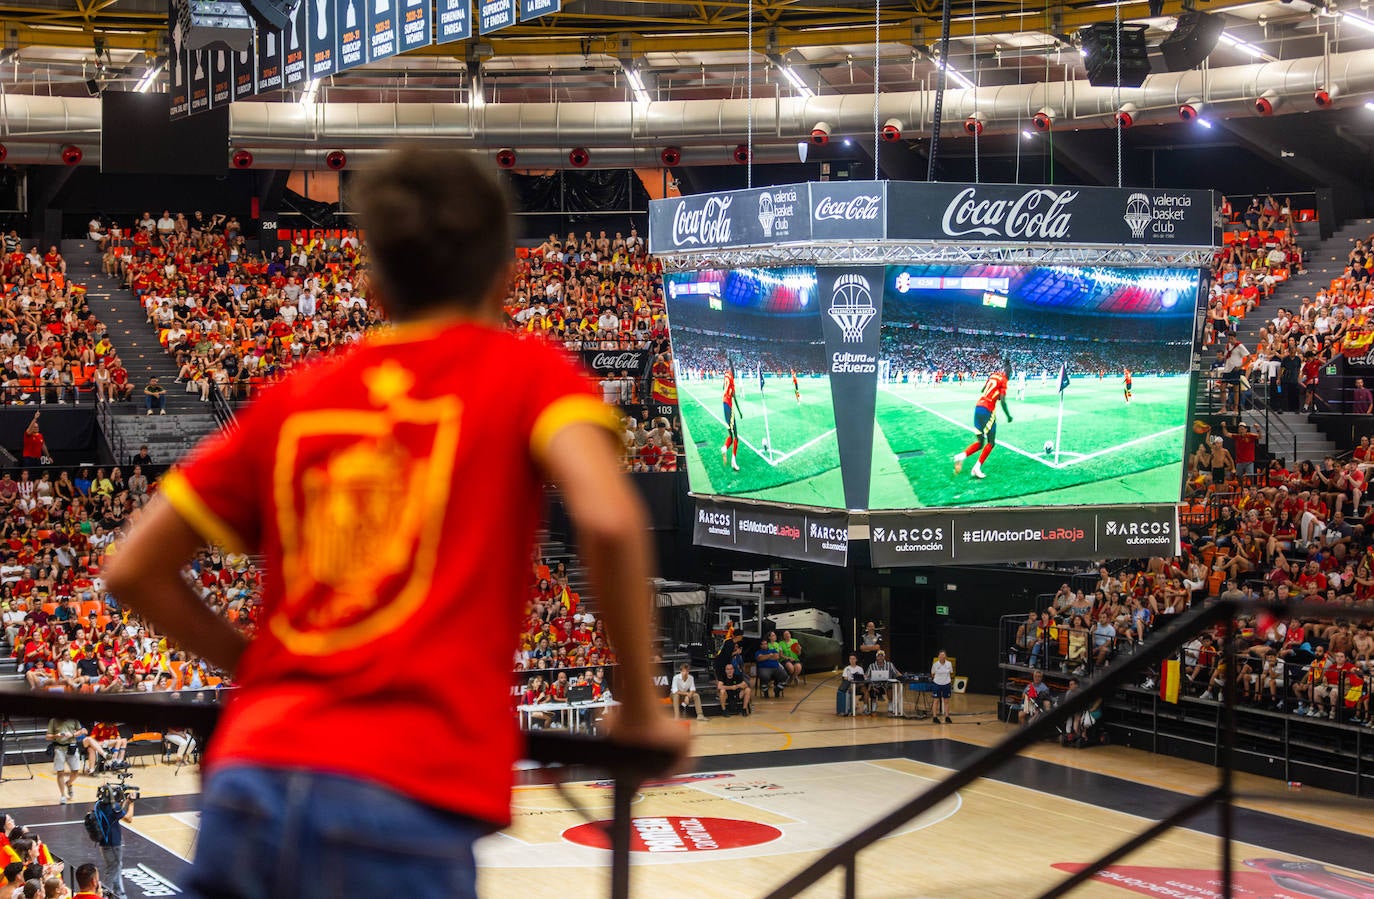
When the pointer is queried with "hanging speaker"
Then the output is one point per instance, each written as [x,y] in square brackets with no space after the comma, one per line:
[1192,41]
[1101,48]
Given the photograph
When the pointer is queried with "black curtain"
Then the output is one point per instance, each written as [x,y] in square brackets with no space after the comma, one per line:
[611,190]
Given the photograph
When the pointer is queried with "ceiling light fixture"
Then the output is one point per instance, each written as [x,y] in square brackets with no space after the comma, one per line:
[637,85]
[312,87]
[955,75]
[149,78]
[796,81]
[1244,47]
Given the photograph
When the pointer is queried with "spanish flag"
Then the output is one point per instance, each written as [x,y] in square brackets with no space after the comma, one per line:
[1169,680]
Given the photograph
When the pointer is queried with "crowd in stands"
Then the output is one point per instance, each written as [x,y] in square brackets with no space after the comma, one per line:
[1280,529]
[562,645]
[53,348]
[235,321]
[29,870]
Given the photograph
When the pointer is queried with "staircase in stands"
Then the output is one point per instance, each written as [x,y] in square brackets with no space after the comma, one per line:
[1291,435]
[168,437]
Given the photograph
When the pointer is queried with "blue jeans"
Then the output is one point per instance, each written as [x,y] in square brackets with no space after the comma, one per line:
[268,833]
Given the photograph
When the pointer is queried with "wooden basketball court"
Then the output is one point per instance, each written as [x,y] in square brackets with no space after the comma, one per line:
[772,791]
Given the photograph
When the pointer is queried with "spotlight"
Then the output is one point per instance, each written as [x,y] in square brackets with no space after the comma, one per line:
[1190,110]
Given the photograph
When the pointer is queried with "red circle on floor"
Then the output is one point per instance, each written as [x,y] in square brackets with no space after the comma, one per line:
[673,833]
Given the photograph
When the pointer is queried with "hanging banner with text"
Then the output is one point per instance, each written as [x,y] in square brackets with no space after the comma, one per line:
[810,536]
[533,9]
[493,15]
[455,20]
[935,211]
[900,539]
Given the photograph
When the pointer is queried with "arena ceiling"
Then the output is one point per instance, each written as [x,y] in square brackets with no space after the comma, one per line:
[686,51]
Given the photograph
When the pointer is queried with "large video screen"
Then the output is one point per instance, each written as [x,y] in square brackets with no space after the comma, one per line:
[764,325]
[1094,407]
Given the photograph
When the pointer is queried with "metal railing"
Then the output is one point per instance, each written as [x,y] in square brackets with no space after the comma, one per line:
[629,766]
[1259,407]
[1124,672]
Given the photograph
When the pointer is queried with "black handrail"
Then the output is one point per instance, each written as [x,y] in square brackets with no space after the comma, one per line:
[1121,673]
[629,766]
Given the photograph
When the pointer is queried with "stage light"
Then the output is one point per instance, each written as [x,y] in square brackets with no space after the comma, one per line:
[1204,123]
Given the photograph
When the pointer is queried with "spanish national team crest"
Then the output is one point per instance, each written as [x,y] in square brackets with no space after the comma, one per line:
[372,483]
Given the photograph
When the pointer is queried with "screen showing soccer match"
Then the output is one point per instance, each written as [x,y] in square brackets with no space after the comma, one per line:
[753,385]
[1020,386]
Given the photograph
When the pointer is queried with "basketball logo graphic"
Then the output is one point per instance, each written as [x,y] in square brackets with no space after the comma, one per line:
[1138,215]
[766,215]
[851,306]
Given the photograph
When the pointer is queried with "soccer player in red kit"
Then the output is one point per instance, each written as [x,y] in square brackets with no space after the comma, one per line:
[395,491]
[985,421]
[1127,389]
[731,446]
[796,390]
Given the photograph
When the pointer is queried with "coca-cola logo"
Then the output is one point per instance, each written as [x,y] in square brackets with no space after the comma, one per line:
[1040,214]
[604,361]
[1366,359]
[863,208]
[704,227]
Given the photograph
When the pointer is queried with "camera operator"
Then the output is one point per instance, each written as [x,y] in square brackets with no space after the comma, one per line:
[64,738]
[114,807]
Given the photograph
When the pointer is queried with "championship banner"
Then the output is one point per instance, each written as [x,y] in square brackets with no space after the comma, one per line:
[382,30]
[352,49]
[455,20]
[295,46]
[848,210]
[899,539]
[773,531]
[533,9]
[493,15]
[602,362]
[198,67]
[221,78]
[178,82]
[851,301]
[937,211]
[245,74]
[323,41]
[415,24]
[1017,213]
[269,54]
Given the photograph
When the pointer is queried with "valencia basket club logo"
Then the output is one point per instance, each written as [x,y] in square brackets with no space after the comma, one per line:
[851,306]
[1138,214]
[766,214]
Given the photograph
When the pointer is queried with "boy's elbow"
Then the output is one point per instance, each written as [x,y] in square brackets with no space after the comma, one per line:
[616,521]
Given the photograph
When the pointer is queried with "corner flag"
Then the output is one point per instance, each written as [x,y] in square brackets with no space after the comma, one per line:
[1059,427]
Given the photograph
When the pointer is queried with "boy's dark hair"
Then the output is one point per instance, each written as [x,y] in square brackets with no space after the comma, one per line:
[438,228]
[12,871]
[22,847]
[85,876]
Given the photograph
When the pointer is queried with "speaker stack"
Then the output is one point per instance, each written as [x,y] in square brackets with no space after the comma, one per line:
[1100,44]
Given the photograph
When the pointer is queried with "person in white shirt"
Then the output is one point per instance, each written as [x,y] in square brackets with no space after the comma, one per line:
[942,679]
[851,672]
[684,690]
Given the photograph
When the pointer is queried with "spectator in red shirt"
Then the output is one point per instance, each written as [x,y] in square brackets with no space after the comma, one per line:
[439,229]
[1245,442]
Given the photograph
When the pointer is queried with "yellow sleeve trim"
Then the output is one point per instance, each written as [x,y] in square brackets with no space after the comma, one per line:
[566,411]
[198,515]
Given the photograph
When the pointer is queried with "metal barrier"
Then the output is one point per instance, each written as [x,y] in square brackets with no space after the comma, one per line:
[1125,671]
[629,766]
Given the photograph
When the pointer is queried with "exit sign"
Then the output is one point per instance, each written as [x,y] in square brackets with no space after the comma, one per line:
[942,610]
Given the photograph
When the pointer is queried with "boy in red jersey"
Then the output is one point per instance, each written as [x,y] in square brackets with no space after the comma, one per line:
[985,421]
[395,491]
[731,446]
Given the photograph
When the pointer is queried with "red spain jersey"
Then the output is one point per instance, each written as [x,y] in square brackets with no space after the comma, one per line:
[994,389]
[395,492]
[729,395]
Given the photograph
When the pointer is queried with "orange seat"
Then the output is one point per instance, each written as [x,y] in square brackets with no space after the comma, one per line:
[89,608]
[49,607]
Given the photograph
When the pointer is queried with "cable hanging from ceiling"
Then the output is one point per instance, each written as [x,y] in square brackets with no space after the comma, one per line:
[941,79]
[877,77]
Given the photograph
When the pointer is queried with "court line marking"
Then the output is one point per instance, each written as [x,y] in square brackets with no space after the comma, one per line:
[773,463]
[1015,449]
[787,744]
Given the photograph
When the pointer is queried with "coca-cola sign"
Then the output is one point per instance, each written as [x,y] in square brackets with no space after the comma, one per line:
[863,208]
[848,210]
[706,226]
[615,361]
[1040,214]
